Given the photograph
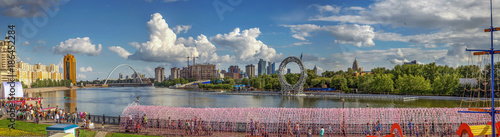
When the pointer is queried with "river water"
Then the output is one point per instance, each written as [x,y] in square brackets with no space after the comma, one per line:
[112,101]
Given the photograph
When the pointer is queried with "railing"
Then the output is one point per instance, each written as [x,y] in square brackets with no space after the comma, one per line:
[106,119]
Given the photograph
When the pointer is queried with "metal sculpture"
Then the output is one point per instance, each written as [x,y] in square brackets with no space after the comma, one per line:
[286,87]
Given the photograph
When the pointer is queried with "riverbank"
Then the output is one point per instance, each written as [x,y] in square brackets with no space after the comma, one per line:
[345,95]
[46,89]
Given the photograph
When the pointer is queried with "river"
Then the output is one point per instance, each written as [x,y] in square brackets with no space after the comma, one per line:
[112,101]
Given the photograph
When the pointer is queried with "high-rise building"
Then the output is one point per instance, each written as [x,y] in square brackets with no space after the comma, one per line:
[234,69]
[5,74]
[271,68]
[70,68]
[250,70]
[262,67]
[199,71]
[288,71]
[31,73]
[175,73]
[410,63]
[120,76]
[355,66]
[159,74]
[315,69]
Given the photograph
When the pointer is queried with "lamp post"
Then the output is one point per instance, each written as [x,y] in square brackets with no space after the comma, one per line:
[343,102]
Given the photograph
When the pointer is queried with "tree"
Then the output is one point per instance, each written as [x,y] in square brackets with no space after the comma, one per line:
[382,83]
[339,83]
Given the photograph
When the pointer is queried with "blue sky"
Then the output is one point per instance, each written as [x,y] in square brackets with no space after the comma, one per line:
[150,33]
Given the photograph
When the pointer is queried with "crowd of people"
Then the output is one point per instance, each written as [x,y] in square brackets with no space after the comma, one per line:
[35,112]
[193,126]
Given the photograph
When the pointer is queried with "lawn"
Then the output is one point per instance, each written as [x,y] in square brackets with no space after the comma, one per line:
[86,133]
[38,129]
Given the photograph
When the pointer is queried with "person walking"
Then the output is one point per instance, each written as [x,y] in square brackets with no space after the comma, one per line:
[309,132]
[297,129]
[252,128]
[321,132]
[330,131]
[410,127]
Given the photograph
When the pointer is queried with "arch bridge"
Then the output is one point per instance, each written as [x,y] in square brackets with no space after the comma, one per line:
[135,72]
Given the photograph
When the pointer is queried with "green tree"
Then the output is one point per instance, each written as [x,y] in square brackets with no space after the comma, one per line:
[382,83]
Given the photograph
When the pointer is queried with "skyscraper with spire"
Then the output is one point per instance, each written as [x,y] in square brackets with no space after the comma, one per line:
[355,66]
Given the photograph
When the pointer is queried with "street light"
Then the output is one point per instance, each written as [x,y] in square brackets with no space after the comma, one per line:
[343,101]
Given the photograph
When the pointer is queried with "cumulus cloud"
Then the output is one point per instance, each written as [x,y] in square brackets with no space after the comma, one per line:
[399,53]
[26,43]
[181,28]
[356,35]
[77,46]
[161,46]
[120,51]
[164,46]
[81,76]
[397,61]
[245,46]
[27,8]
[86,69]
[206,48]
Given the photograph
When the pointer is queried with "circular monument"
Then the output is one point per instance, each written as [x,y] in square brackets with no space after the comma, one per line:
[286,87]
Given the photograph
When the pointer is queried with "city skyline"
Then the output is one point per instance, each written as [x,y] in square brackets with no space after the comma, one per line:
[331,34]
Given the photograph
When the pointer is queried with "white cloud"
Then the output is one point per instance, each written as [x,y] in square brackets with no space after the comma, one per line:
[28,58]
[355,8]
[87,69]
[356,35]
[181,28]
[327,8]
[26,43]
[163,46]
[206,48]
[60,64]
[120,51]
[135,45]
[459,14]
[81,76]
[399,53]
[303,30]
[245,45]
[77,46]
[301,43]
[41,42]
[397,61]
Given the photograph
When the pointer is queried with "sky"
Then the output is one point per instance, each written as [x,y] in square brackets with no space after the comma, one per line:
[146,34]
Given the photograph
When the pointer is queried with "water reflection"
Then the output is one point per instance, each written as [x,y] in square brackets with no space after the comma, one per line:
[112,101]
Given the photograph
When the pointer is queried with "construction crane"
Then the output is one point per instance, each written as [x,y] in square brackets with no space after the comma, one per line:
[194,59]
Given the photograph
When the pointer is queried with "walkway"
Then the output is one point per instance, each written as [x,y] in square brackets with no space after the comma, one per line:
[101,134]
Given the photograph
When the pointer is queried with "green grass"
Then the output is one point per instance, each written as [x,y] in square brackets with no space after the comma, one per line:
[26,126]
[86,133]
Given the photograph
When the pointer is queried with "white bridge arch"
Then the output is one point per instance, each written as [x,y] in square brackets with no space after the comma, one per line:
[135,72]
